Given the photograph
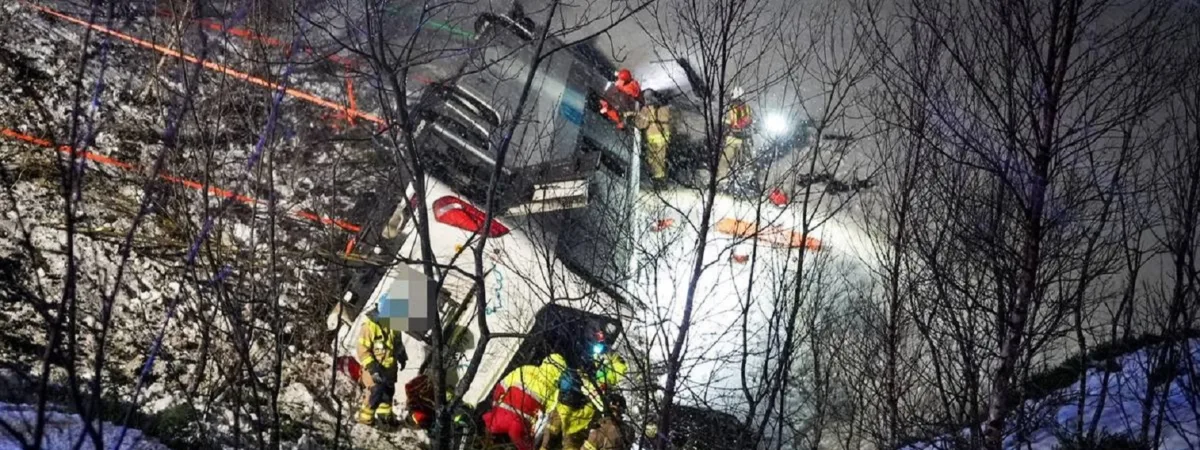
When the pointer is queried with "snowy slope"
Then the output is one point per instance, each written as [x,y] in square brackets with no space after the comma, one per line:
[64,430]
[711,374]
[1122,410]
[38,56]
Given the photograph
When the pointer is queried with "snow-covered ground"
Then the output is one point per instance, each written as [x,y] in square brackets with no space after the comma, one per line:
[742,293]
[1122,408]
[64,430]
[199,363]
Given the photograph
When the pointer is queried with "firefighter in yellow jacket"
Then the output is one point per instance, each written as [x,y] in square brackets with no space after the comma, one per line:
[522,397]
[381,354]
[578,402]
[655,120]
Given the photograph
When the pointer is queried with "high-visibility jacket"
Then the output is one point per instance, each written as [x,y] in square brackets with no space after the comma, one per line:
[575,420]
[738,118]
[656,120]
[377,343]
[531,390]
[612,369]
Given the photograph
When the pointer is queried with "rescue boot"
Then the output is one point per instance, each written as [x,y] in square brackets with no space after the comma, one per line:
[385,415]
[366,416]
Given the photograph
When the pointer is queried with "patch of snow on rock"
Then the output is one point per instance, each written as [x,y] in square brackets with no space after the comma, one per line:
[63,430]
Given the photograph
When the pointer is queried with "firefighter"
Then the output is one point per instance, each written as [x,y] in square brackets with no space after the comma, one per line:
[578,401]
[381,354]
[571,415]
[522,397]
[737,129]
[618,109]
[655,119]
[627,85]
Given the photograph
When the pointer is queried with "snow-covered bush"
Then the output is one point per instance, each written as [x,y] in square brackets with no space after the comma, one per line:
[1103,441]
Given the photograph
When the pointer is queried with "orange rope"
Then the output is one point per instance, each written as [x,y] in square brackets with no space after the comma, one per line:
[213,190]
[65,149]
[265,39]
[350,95]
[348,64]
[349,112]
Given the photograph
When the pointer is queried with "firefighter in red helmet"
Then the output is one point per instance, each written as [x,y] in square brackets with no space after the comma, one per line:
[627,85]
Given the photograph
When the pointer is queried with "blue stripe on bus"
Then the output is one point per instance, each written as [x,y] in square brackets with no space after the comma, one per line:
[571,106]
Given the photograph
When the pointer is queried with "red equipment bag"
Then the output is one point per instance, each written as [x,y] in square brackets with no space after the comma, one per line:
[420,401]
[349,366]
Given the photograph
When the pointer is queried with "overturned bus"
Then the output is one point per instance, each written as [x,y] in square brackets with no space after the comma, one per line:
[558,246]
[561,249]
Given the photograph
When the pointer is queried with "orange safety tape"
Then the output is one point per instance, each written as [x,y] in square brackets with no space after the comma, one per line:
[330,221]
[65,149]
[105,160]
[347,63]
[771,235]
[349,112]
[337,117]
[242,33]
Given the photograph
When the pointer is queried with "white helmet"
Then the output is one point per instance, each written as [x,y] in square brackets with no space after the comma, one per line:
[738,92]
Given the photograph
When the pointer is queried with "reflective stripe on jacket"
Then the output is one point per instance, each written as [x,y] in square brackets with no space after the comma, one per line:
[738,118]
[378,344]
[514,399]
[656,120]
[539,383]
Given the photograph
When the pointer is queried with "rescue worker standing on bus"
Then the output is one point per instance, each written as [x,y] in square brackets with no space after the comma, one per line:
[627,85]
[381,354]
[737,130]
[623,101]
[520,399]
[655,120]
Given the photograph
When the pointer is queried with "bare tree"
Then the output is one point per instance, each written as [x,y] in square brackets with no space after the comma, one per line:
[785,302]
[226,267]
[892,217]
[1034,158]
[1175,237]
